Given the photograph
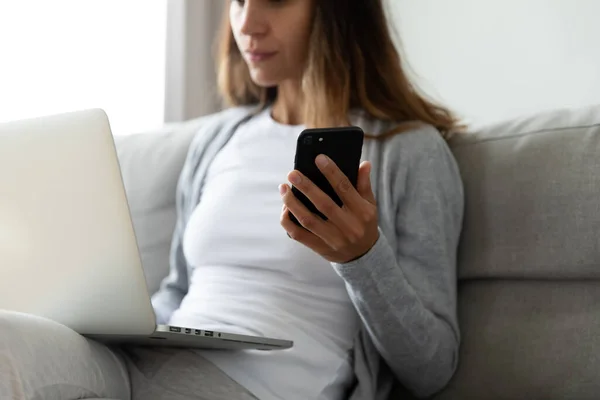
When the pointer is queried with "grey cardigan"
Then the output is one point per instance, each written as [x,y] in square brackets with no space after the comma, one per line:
[404,288]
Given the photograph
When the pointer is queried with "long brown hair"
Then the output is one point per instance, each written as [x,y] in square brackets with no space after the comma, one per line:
[352,63]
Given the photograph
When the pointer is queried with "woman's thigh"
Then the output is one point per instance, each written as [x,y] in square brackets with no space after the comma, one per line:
[159,373]
[43,360]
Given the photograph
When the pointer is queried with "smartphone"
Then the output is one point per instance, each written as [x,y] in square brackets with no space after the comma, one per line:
[342,145]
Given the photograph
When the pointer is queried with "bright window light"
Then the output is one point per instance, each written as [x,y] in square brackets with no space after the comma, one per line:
[65,55]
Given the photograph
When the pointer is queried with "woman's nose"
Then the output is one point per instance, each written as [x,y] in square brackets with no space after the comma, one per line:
[253,22]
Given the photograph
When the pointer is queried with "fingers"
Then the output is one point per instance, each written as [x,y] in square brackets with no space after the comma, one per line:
[302,235]
[324,230]
[339,181]
[363,185]
[339,217]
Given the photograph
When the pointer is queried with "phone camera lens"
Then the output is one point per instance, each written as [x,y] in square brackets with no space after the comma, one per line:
[308,140]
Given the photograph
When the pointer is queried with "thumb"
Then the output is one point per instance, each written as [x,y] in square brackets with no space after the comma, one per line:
[363,185]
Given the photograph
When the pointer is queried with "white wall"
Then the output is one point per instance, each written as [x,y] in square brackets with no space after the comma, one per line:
[491,60]
[64,55]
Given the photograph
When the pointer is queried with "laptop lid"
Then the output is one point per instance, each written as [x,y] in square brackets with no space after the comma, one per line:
[67,246]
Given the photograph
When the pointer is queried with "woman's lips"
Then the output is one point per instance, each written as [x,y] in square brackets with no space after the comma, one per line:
[258,56]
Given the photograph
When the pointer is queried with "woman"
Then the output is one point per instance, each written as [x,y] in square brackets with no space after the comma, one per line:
[368,296]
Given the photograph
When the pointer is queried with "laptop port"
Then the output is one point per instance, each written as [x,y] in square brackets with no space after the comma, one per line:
[174,329]
[198,332]
[209,333]
[188,330]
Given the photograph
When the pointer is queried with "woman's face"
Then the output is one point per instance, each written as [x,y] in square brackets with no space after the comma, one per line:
[272,36]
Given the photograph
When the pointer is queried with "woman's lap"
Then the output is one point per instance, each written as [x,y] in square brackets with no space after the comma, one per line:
[177,374]
[40,359]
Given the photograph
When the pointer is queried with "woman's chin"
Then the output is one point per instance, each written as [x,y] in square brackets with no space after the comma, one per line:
[262,80]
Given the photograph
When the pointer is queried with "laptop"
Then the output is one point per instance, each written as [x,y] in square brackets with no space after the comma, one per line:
[68,250]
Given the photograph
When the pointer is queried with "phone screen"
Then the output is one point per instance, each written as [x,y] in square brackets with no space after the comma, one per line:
[342,145]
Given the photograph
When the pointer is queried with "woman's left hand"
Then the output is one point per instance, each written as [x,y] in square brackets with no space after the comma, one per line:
[350,231]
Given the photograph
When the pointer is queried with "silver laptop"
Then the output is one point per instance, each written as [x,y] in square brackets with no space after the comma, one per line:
[67,246]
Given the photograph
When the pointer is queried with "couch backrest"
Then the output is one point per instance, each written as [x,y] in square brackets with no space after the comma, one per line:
[531,188]
[150,164]
[529,260]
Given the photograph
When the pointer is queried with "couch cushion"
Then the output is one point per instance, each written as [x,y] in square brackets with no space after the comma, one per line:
[150,164]
[528,340]
[532,188]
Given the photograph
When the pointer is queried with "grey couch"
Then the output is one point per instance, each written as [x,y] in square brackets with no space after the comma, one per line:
[529,260]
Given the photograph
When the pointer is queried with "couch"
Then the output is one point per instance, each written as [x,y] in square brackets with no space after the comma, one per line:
[529,259]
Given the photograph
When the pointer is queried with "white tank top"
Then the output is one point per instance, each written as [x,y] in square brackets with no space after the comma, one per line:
[250,278]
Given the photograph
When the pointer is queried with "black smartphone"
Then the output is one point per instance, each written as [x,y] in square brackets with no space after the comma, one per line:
[342,145]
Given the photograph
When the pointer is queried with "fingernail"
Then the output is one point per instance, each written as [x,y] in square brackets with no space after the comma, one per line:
[282,189]
[322,160]
[295,178]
